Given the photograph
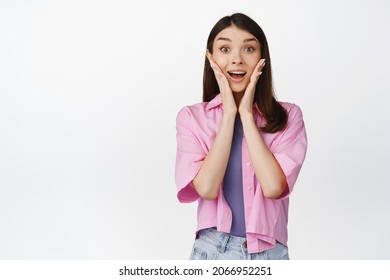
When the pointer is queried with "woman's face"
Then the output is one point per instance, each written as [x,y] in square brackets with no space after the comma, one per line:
[236,52]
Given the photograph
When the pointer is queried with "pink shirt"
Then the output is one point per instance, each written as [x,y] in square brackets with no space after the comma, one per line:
[266,219]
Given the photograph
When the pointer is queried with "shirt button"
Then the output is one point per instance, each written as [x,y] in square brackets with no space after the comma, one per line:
[248,164]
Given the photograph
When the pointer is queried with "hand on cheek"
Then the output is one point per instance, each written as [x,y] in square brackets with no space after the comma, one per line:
[246,103]
[228,103]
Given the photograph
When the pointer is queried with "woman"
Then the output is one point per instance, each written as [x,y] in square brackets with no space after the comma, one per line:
[240,151]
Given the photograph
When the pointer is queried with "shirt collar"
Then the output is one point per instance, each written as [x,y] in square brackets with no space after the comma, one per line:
[215,102]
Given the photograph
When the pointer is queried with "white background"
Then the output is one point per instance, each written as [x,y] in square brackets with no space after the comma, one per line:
[89,92]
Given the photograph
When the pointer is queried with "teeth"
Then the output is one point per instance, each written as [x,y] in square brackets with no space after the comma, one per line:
[237,73]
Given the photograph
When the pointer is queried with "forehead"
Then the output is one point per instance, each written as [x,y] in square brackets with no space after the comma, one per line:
[235,34]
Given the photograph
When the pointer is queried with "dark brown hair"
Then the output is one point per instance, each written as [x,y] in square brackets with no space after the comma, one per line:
[273,112]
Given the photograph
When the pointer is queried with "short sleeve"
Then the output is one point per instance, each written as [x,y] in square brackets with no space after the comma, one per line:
[189,157]
[290,151]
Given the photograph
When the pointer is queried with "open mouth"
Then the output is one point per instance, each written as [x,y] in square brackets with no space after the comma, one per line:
[237,75]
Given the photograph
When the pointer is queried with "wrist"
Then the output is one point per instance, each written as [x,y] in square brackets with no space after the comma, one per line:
[246,116]
[231,115]
[244,113]
[230,112]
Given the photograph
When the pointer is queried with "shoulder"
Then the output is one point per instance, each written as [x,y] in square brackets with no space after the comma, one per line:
[203,110]
[292,109]
[189,111]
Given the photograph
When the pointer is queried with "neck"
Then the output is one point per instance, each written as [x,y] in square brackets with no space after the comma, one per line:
[237,97]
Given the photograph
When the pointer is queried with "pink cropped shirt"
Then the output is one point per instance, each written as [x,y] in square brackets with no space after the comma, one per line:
[266,219]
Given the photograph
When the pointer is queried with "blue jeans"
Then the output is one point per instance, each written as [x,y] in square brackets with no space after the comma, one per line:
[214,245]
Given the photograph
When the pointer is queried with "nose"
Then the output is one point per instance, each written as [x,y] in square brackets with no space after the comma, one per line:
[236,58]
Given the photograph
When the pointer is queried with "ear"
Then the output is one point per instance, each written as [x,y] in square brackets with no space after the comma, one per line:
[209,55]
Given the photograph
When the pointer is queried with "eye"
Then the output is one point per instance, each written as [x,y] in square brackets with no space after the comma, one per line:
[224,49]
[249,49]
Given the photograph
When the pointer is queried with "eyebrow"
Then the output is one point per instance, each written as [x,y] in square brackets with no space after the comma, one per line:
[250,39]
[245,41]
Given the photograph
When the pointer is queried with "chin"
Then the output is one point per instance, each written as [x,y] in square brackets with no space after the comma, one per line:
[240,89]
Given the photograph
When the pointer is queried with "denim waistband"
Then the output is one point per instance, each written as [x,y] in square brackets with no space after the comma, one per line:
[223,241]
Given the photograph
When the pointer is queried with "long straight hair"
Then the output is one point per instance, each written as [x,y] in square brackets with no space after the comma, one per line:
[273,112]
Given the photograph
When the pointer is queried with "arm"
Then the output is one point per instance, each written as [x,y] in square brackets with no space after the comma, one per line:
[267,169]
[209,178]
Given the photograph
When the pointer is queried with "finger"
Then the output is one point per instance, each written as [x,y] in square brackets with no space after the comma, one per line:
[215,66]
[258,70]
[220,77]
[209,57]
[216,72]
[260,64]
